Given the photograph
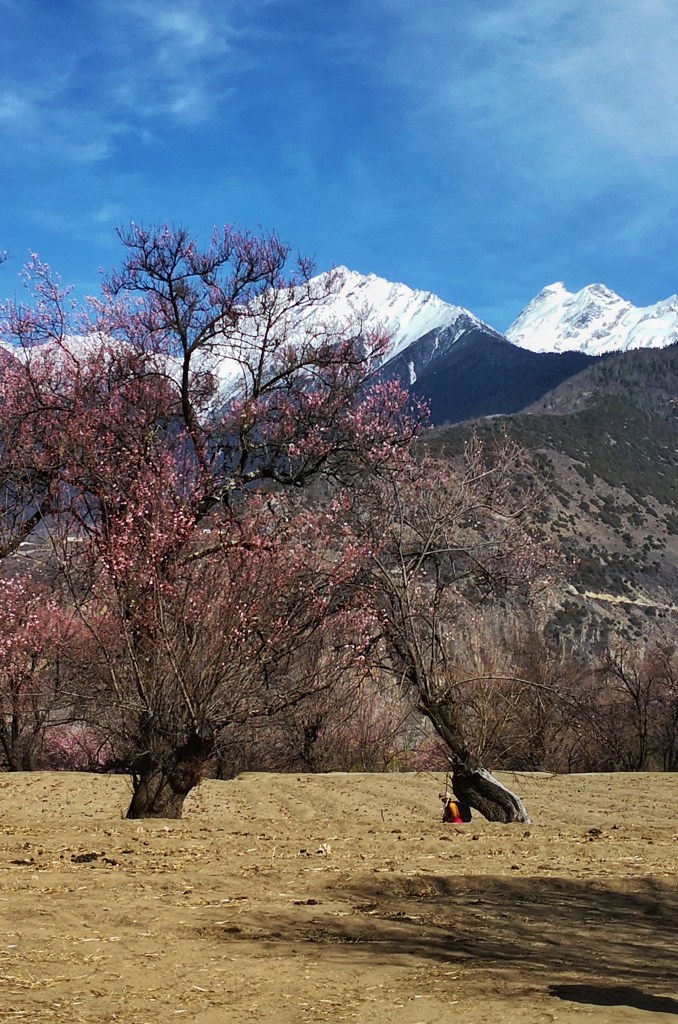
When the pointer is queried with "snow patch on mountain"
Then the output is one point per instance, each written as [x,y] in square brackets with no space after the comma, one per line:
[594,320]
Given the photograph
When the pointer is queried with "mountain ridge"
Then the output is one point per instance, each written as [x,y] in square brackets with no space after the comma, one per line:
[594,320]
[460,365]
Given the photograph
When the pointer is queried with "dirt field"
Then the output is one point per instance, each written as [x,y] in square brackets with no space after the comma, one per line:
[338,898]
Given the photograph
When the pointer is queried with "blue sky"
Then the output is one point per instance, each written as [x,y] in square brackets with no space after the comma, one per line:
[480,149]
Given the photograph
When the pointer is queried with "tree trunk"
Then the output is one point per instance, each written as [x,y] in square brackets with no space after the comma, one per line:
[479,788]
[471,783]
[19,750]
[163,780]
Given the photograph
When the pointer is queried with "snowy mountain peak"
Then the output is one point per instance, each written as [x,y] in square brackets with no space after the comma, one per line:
[403,312]
[556,287]
[593,320]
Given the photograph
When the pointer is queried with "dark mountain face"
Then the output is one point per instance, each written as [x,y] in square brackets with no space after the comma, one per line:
[464,371]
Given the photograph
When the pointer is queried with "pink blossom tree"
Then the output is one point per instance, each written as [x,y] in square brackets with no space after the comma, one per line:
[153,439]
[34,691]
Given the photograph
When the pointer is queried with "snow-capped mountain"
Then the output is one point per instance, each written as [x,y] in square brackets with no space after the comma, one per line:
[442,352]
[594,320]
[343,302]
[402,312]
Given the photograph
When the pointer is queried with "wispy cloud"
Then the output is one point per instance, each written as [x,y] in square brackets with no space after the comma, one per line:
[623,80]
[183,61]
[551,86]
[128,69]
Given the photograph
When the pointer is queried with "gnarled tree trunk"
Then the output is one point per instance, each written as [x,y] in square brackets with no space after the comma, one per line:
[471,783]
[479,788]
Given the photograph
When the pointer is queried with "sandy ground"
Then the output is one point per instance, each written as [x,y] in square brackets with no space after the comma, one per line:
[338,898]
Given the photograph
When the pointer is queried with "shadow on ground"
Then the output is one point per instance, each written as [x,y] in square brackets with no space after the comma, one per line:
[614,995]
[544,930]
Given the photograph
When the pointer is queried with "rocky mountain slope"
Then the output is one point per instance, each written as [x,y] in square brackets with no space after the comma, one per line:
[464,371]
[607,439]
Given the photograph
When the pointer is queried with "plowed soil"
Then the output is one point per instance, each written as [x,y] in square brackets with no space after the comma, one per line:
[299,898]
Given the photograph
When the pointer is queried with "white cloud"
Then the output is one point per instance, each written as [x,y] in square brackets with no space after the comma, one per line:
[184,26]
[165,18]
[562,87]
[110,213]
